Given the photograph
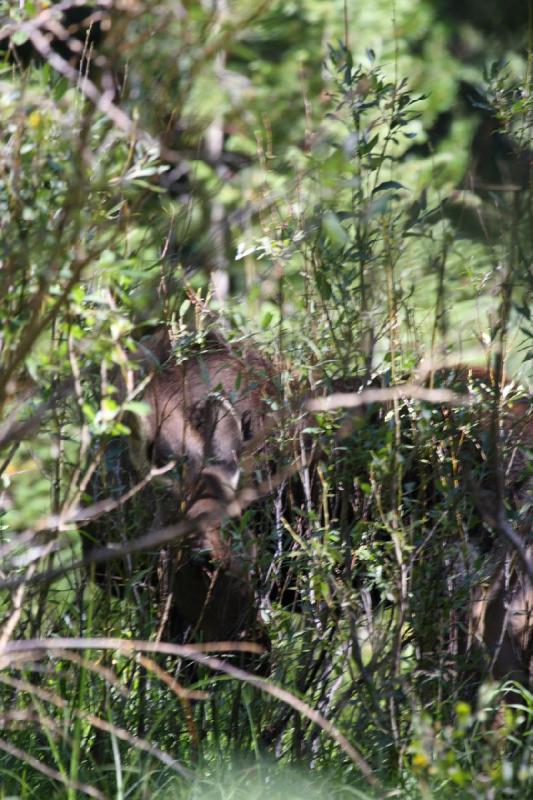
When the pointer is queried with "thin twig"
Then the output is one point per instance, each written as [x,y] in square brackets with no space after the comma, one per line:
[26,758]
[386,395]
[97,722]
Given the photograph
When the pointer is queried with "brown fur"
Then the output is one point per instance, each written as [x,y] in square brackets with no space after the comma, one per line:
[203,410]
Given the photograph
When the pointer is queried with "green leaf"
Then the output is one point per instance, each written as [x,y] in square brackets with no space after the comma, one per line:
[266,320]
[138,407]
[19,37]
[334,230]
[385,185]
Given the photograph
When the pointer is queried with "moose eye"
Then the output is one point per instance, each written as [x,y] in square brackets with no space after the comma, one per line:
[246,426]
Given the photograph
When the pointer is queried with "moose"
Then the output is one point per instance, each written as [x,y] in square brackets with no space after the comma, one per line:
[202,413]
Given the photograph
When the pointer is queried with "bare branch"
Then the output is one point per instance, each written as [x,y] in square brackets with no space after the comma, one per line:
[404,392]
[110,504]
[126,647]
[102,554]
[97,722]
[504,528]
[26,758]
[15,429]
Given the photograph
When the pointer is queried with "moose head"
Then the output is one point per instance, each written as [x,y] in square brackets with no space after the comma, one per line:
[200,412]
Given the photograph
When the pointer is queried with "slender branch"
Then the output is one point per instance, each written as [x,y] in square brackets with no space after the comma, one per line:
[406,391]
[33,762]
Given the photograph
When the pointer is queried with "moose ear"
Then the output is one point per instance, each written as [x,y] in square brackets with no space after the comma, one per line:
[154,350]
